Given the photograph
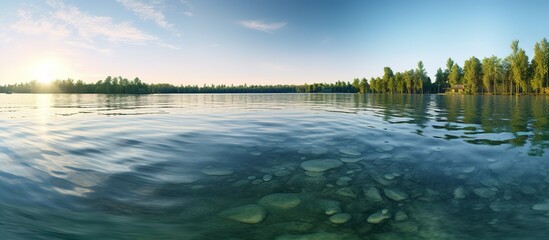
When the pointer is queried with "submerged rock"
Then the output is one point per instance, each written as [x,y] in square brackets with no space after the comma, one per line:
[351,160]
[251,213]
[348,151]
[346,192]
[389,176]
[329,207]
[255,153]
[459,193]
[340,218]
[541,206]
[267,177]
[373,194]
[320,165]
[217,171]
[378,217]
[395,194]
[280,200]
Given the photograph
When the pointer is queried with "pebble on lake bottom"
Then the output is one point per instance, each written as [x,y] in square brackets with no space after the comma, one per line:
[251,213]
[378,217]
[280,200]
[340,218]
[320,165]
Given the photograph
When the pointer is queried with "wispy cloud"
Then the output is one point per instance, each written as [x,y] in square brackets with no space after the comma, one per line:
[80,29]
[262,26]
[148,11]
[89,26]
[43,26]
[190,9]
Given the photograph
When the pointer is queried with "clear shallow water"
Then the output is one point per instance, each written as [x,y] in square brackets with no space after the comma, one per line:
[173,166]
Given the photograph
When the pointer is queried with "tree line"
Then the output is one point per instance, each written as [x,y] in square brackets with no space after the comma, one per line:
[120,85]
[514,74]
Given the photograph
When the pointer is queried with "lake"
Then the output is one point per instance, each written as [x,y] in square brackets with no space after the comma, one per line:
[274,166]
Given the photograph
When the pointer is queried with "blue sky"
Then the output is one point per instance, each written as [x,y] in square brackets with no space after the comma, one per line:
[254,41]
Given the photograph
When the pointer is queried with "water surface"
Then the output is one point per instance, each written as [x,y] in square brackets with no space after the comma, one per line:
[172,166]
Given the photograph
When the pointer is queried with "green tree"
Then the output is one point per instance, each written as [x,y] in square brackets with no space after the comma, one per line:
[440,80]
[421,77]
[472,73]
[541,64]
[454,78]
[388,79]
[519,67]
[490,69]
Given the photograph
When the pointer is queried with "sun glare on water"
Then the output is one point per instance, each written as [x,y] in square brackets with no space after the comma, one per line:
[47,70]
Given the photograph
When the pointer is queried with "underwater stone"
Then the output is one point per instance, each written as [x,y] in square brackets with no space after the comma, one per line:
[329,207]
[541,206]
[267,177]
[280,200]
[385,148]
[257,181]
[346,192]
[251,213]
[314,174]
[340,218]
[255,153]
[217,171]
[373,194]
[395,194]
[378,217]
[348,151]
[320,165]
[459,193]
[351,160]
[389,176]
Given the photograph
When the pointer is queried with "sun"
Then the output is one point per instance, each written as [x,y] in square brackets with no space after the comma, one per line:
[48,69]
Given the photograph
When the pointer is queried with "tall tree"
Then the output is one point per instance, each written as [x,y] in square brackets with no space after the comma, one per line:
[519,67]
[472,71]
[455,75]
[541,64]
[421,77]
[440,80]
[388,79]
[490,70]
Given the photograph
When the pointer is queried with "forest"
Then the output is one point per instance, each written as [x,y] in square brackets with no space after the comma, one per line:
[514,74]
